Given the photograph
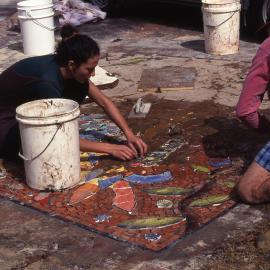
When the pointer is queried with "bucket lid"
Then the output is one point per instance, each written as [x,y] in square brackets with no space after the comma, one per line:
[219,2]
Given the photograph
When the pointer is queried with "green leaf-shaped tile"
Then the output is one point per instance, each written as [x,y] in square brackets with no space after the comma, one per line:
[210,200]
[150,222]
[199,168]
[168,191]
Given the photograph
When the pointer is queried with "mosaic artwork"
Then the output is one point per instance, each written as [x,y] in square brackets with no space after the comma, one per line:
[146,202]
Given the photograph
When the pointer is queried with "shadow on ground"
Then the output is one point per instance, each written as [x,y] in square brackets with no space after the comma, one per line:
[196,45]
[232,139]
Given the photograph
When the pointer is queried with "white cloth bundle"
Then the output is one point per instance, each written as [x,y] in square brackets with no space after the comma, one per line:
[76,12]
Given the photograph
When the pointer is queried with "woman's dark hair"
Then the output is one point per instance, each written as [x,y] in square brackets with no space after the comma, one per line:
[75,46]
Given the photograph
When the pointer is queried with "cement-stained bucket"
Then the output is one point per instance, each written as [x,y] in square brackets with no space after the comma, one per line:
[221,20]
[49,131]
[37,26]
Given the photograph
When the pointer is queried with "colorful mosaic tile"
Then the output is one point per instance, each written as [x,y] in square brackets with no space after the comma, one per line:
[220,164]
[124,198]
[161,154]
[109,181]
[96,127]
[151,206]
[83,192]
[149,179]
[102,218]
[152,236]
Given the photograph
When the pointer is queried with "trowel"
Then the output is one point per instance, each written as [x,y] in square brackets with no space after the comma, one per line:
[140,109]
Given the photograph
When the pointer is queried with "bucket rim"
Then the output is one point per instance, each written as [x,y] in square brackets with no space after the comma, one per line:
[220,2]
[34,8]
[221,9]
[31,4]
[19,114]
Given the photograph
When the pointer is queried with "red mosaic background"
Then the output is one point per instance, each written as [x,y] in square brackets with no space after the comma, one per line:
[85,212]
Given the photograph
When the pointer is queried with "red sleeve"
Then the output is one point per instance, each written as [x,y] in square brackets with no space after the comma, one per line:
[254,88]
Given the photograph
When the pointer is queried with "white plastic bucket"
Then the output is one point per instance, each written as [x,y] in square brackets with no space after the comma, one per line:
[221,26]
[49,131]
[37,26]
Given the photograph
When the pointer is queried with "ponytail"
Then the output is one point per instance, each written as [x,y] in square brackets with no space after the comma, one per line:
[75,46]
[68,31]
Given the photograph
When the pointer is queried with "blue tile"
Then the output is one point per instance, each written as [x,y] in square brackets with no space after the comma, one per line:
[149,179]
[93,159]
[102,218]
[152,236]
[93,174]
[220,164]
[109,181]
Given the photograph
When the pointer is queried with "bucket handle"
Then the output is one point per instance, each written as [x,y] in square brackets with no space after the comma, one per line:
[224,21]
[31,159]
[28,13]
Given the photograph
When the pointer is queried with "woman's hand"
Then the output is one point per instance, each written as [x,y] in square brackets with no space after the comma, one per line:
[137,145]
[122,152]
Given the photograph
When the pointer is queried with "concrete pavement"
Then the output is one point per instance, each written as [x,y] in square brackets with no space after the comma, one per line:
[32,240]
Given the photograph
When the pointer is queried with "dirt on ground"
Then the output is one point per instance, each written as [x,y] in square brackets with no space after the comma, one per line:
[241,252]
